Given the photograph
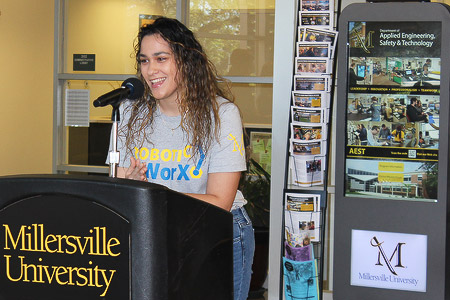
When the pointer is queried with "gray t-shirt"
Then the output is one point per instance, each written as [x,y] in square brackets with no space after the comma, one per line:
[169,157]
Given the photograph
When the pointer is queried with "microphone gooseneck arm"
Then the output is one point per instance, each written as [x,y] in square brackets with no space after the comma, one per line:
[132,89]
[114,155]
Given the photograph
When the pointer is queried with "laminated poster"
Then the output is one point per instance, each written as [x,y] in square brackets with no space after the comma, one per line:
[393,110]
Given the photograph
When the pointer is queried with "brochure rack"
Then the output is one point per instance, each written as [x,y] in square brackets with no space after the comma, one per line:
[305,187]
[392,212]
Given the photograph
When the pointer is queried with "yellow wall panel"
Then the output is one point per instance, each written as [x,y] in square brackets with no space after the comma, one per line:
[26,88]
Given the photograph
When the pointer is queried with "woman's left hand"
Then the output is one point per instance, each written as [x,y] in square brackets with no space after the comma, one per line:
[137,170]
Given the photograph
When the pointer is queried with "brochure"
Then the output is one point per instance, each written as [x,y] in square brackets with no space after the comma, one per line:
[312,34]
[307,99]
[303,222]
[300,279]
[316,5]
[316,19]
[304,253]
[308,132]
[297,240]
[307,171]
[307,148]
[307,115]
[312,49]
[312,83]
[302,202]
[310,65]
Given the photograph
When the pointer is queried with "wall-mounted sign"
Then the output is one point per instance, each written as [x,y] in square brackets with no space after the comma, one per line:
[389,260]
[393,109]
[84,62]
[147,19]
[61,247]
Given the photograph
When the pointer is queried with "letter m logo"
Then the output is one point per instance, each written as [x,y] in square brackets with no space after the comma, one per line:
[237,146]
[363,42]
[382,257]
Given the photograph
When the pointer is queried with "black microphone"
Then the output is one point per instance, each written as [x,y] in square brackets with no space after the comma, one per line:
[132,88]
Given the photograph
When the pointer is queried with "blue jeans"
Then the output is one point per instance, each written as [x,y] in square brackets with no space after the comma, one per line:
[243,249]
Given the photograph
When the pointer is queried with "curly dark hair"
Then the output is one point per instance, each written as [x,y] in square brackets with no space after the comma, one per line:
[198,83]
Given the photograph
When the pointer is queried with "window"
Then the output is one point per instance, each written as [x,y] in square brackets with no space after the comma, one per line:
[237,36]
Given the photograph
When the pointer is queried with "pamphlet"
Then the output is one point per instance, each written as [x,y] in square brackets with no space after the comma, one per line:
[304,253]
[300,279]
[303,222]
[306,171]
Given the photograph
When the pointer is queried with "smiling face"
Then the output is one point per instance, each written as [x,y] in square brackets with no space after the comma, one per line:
[159,69]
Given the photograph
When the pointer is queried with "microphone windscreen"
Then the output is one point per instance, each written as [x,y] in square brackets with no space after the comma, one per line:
[136,88]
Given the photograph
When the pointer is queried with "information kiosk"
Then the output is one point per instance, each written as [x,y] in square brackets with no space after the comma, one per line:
[391,219]
[92,237]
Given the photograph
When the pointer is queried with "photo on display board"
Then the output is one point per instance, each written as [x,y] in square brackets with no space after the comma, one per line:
[393,109]
[391,179]
[402,120]
[411,72]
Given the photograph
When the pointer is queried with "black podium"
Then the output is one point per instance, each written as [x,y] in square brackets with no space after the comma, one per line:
[92,237]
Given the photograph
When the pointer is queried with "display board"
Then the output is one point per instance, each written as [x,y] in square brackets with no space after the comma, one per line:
[393,109]
[392,152]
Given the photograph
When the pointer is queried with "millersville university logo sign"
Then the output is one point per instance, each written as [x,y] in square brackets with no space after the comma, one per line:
[62,247]
[382,257]
[389,260]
